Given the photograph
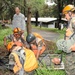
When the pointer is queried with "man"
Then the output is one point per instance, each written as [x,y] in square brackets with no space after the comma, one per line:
[19,20]
[36,43]
[17,36]
[69,12]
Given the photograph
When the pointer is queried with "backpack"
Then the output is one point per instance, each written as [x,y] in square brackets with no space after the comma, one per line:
[38,36]
[30,61]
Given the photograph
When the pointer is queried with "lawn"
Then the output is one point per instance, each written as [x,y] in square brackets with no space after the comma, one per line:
[49,72]
[4,32]
[44,71]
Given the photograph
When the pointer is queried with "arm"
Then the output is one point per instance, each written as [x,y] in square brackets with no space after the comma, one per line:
[9,37]
[72,48]
[23,23]
[25,44]
[5,43]
[40,44]
[38,53]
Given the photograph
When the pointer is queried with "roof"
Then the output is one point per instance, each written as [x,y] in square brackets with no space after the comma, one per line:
[46,19]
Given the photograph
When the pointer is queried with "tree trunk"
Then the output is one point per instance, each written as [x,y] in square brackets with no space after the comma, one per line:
[36,17]
[29,28]
[24,7]
[74,2]
[59,14]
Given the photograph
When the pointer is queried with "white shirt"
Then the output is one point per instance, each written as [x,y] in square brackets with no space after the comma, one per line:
[19,21]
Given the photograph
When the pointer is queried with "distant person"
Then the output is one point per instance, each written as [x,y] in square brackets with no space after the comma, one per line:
[19,20]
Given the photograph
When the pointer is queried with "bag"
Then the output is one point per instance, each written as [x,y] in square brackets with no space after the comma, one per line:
[31,61]
[38,36]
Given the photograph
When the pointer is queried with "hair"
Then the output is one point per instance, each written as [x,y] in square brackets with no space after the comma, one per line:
[73,12]
[17,7]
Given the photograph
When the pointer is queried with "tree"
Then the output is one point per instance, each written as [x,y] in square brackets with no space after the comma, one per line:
[29,28]
[8,7]
[61,4]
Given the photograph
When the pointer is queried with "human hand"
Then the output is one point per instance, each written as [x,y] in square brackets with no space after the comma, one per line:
[72,47]
[18,43]
[56,61]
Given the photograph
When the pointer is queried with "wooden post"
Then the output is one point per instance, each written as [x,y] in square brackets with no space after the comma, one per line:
[29,28]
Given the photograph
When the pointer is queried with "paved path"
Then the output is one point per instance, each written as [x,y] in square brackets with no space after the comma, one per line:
[47,35]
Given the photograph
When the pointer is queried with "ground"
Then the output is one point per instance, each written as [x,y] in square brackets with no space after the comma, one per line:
[49,38]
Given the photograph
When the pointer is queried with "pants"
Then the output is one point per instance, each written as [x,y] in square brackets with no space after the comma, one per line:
[70,64]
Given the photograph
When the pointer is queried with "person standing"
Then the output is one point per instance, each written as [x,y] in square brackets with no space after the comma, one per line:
[19,20]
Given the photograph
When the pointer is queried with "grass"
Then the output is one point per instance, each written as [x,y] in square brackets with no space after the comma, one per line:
[45,71]
[4,32]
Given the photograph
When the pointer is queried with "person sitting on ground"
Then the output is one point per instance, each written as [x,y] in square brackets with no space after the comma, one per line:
[36,44]
[20,59]
[16,36]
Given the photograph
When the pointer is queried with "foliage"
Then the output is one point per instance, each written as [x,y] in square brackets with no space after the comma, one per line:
[8,6]
[49,11]
[4,32]
[43,9]
[35,5]
[46,71]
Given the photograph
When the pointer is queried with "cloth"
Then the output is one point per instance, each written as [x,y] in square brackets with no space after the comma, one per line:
[39,43]
[65,46]
[12,38]
[19,21]
[13,62]
[38,47]
[71,24]
[70,63]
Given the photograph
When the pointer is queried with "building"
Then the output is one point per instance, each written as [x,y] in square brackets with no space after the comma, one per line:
[50,2]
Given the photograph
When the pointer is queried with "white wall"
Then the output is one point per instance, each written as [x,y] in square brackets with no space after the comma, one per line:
[49,2]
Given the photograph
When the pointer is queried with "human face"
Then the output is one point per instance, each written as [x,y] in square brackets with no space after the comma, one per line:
[67,16]
[16,35]
[17,10]
[68,32]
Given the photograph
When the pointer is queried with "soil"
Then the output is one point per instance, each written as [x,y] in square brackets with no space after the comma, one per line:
[50,47]
[3,51]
